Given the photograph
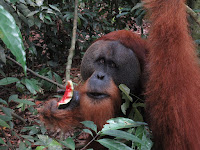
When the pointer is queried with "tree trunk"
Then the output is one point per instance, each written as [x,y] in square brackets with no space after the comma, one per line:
[73,42]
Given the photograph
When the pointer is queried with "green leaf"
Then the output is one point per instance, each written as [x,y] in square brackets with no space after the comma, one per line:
[1,141]
[88,131]
[113,145]
[13,1]
[4,124]
[5,117]
[43,129]
[123,135]
[7,111]
[137,116]
[40,148]
[12,97]
[68,16]
[34,131]
[138,5]
[2,55]
[41,16]
[58,78]
[28,137]
[69,142]
[125,106]
[120,123]
[126,91]
[22,146]
[138,105]
[122,14]
[39,2]
[31,86]
[20,87]
[22,106]
[24,9]
[3,102]
[24,101]
[32,13]
[44,139]
[11,36]
[90,124]
[28,144]
[148,143]
[2,73]
[54,7]
[31,3]
[36,83]
[8,80]
[54,145]
[48,18]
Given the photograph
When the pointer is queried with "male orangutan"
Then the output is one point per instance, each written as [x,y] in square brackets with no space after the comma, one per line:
[115,58]
[173,83]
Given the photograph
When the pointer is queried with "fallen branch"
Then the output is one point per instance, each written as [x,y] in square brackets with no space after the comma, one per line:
[42,77]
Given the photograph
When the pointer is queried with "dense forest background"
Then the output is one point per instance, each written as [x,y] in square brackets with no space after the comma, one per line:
[46,28]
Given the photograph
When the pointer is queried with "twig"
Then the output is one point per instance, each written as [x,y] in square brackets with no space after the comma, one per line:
[72,48]
[42,77]
[193,15]
[16,116]
[90,141]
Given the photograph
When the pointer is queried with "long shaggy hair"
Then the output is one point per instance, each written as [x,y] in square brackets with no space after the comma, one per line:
[173,88]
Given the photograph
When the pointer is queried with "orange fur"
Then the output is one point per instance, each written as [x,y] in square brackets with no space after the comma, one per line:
[100,111]
[173,89]
[60,118]
[89,109]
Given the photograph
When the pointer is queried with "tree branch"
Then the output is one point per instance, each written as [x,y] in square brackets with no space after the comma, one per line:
[42,77]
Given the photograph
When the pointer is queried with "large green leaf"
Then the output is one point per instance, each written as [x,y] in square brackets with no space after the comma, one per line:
[8,80]
[123,135]
[2,141]
[69,142]
[11,36]
[113,145]
[120,123]
[31,86]
[5,117]
[4,124]
[7,111]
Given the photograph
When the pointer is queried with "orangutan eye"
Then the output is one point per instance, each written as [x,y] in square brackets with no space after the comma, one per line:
[102,61]
[113,65]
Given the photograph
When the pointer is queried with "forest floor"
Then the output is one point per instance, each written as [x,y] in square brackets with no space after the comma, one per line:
[32,119]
